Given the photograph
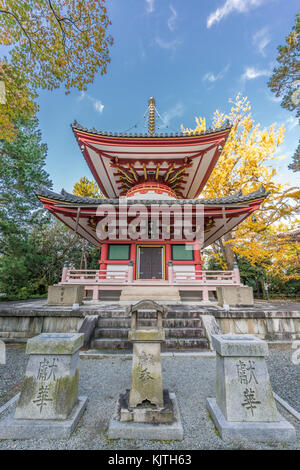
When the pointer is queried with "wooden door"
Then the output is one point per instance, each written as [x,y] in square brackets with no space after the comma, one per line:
[150,262]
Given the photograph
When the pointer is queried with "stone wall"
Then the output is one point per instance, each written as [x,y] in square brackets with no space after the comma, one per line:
[268,325]
[18,326]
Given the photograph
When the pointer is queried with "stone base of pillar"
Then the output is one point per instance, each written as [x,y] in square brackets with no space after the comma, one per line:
[235,296]
[11,428]
[236,431]
[65,295]
[156,428]
[146,413]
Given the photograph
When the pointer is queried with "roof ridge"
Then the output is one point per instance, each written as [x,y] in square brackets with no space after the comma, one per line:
[64,196]
[210,130]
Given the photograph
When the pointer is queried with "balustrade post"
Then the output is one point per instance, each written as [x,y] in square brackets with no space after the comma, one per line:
[236,274]
[170,272]
[64,273]
[130,271]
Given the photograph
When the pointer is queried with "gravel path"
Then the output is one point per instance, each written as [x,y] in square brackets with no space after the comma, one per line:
[285,377]
[12,373]
[191,378]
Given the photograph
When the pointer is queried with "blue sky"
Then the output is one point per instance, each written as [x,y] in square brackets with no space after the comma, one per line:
[192,56]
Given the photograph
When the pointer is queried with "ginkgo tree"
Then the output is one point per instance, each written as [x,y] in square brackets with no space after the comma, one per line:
[56,41]
[246,164]
[86,188]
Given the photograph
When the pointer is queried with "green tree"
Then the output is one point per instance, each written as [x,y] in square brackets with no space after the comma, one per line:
[285,80]
[22,171]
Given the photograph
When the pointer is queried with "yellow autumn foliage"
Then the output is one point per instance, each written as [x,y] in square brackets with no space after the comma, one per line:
[86,188]
[245,164]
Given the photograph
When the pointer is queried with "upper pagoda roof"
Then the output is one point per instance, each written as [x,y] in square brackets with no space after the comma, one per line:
[118,161]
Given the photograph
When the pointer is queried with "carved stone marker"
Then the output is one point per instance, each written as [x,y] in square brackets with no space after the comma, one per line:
[146,402]
[48,404]
[244,406]
[65,295]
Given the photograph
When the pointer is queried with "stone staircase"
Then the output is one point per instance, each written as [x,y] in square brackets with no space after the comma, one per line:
[184,331]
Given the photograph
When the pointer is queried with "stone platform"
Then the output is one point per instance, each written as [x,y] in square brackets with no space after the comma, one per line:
[11,428]
[280,431]
[275,321]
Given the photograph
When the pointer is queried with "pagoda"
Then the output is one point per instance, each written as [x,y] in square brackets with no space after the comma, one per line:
[141,178]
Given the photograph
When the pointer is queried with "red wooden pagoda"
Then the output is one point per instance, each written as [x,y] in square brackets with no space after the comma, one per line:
[140,175]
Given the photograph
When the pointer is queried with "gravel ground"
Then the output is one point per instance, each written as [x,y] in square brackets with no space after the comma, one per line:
[191,378]
[285,377]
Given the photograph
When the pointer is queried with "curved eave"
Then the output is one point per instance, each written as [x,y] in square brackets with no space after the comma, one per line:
[227,212]
[202,152]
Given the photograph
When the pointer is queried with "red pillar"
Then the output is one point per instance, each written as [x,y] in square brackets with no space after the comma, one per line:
[198,261]
[103,260]
[133,257]
[168,258]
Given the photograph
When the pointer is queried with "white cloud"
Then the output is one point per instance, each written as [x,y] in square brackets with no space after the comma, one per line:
[176,111]
[242,6]
[98,105]
[211,77]
[150,6]
[172,19]
[169,45]
[251,73]
[261,39]
[291,123]
[272,97]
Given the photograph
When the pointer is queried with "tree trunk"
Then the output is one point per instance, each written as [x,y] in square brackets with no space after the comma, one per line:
[229,253]
[83,256]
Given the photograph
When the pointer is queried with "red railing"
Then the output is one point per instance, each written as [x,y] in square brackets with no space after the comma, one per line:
[99,276]
[93,276]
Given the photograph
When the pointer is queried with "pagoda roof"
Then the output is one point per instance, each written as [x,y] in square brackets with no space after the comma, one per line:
[65,197]
[118,161]
[221,214]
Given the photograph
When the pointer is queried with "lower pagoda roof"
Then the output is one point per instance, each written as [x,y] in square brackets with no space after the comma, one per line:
[221,215]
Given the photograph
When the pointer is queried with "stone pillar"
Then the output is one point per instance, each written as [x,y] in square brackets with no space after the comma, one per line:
[171,272]
[146,402]
[146,376]
[244,406]
[130,271]
[50,387]
[48,406]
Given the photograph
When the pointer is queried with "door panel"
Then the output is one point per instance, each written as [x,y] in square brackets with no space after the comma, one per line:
[150,258]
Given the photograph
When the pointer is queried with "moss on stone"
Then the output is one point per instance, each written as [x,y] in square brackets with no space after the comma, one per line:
[27,392]
[66,394]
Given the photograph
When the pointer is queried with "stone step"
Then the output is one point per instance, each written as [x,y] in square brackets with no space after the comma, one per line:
[167,322]
[170,332]
[180,314]
[169,344]
[156,293]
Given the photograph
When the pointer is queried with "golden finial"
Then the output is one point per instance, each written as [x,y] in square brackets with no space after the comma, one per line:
[151,111]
